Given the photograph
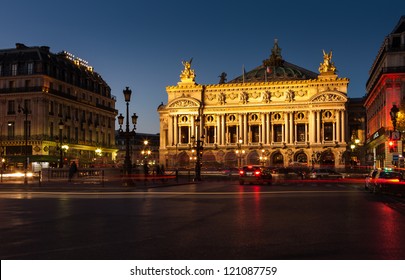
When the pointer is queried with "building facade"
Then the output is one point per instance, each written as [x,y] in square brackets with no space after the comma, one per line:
[277,114]
[385,94]
[54,109]
[144,148]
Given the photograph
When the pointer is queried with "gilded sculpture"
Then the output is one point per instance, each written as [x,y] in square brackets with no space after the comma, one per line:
[327,65]
[187,75]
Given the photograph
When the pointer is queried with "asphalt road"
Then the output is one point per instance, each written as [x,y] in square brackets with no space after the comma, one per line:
[208,220]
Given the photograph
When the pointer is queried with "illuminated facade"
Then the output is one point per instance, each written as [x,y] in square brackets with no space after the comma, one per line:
[51,103]
[386,89]
[276,114]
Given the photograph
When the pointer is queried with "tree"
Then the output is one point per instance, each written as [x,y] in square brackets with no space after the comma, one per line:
[401,119]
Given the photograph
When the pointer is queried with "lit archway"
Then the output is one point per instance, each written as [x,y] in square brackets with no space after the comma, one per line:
[327,159]
[277,159]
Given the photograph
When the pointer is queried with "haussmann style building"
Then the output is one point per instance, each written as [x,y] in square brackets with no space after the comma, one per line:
[385,97]
[277,114]
[54,109]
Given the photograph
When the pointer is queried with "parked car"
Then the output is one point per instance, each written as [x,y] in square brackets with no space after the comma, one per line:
[255,174]
[287,173]
[387,180]
[325,173]
[369,182]
[230,171]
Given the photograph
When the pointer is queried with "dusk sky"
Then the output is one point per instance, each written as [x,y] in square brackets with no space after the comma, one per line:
[141,44]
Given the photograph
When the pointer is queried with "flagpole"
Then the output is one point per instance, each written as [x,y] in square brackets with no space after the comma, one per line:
[243,73]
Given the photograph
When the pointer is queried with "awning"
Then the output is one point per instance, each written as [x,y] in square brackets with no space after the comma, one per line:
[32,158]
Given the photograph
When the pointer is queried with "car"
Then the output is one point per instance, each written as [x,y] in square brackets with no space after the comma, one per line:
[387,180]
[255,174]
[369,182]
[230,171]
[325,173]
[287,173]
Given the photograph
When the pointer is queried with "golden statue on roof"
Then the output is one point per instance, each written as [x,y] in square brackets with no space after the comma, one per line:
[187,75]
[327,65]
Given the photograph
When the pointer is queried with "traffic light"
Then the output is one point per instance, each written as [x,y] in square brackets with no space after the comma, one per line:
[392,145]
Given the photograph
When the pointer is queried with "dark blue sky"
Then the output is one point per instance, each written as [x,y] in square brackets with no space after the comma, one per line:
[141,44]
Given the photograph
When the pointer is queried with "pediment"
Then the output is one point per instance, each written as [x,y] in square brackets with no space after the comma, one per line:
[184,103]
[329,97]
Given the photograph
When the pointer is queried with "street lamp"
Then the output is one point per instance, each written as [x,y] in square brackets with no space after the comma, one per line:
[198,146]
[146,152]
[263,158]
[25,111]
[239,152]
[61,127]
[127,162]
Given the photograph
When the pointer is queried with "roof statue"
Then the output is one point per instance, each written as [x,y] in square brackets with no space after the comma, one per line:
[222,78]
[327,65]
[187,75]
[275,58]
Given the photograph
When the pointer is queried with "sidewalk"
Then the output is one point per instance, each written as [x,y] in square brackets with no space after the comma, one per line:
[63,185]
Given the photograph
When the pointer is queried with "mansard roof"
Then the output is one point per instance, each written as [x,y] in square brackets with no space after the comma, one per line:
[51,64]
[400,27]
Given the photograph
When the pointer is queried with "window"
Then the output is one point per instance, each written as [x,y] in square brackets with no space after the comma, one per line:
[254,130]
[11,107]
[184,134]
[232,136]
[27,105]
[277,116]
[301,133]
[51,129]
[60,110]
[328,132]
[30,67]
[278,133]
[14,69]
[51,108]
[10,130]
[211,134]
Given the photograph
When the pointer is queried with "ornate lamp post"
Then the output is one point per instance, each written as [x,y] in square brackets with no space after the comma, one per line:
[198,146]
[146,152]
[25,111]
[61,127]
[127,162]
[263,158]
[239,152]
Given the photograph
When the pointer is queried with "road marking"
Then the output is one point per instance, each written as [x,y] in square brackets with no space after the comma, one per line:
[29,195]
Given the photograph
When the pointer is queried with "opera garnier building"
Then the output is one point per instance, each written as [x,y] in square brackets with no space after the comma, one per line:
[277,114]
